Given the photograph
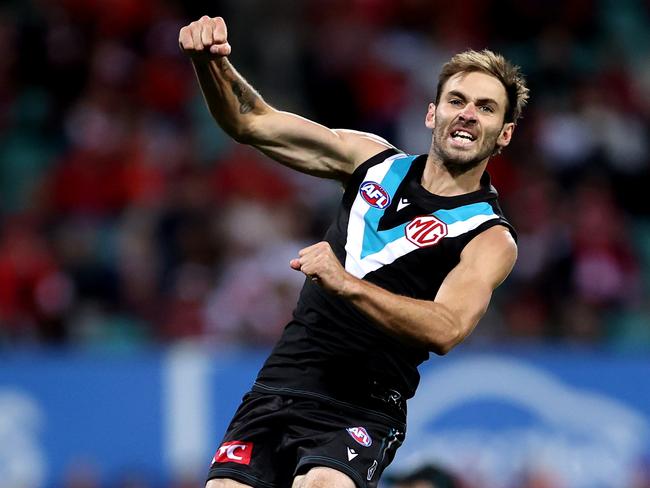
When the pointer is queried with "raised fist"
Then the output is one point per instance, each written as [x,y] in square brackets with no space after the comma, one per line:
[207,36]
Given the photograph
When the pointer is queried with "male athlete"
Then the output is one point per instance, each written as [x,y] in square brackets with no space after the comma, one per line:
[408,267]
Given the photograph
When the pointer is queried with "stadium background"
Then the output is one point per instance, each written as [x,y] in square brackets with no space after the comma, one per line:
[144,256]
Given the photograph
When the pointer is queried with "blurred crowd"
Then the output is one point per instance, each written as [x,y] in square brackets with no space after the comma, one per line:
[128,218]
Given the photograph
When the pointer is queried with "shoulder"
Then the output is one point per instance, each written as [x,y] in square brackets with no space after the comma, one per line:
[382,159]
[496,241]
[492,253]
[360,146]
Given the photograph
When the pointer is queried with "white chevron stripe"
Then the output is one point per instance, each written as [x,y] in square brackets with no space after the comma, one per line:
[387,255]
[394,250]
[400,247]
[462,227]
[356,223]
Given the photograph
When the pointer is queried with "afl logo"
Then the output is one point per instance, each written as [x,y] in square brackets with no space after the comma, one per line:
[374,194]
[425,230]
[360,435]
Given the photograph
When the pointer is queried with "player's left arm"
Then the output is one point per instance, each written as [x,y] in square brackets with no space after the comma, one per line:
[438,325]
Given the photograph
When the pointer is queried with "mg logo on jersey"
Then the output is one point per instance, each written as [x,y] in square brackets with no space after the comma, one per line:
[425,230]
[360,435]
[234,452]
[374,194]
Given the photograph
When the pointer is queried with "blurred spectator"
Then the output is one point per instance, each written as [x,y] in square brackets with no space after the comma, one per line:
[127,217]
[35,293]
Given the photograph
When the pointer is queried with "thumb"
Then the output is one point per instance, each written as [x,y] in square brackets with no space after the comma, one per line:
[223,49]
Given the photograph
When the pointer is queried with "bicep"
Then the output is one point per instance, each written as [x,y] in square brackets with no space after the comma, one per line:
[312,148]
[485,262]
[465,297]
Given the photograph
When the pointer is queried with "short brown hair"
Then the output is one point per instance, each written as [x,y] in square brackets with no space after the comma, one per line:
[493,64]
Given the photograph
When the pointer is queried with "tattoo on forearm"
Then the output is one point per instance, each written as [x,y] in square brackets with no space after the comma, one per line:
[224,65]
[245,98]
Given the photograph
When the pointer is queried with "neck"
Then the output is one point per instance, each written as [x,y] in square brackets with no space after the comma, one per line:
[449,180]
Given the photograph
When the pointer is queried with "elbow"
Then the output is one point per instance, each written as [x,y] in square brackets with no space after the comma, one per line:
[441,349]
[241,133]
[243,136]
[447,331]
[249,129]
[442,344]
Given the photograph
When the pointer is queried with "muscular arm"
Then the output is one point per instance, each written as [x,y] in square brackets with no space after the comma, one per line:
[233,103]
[288,138]
[438,325]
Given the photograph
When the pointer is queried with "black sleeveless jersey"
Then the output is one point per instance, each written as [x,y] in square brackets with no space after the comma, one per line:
[392,232]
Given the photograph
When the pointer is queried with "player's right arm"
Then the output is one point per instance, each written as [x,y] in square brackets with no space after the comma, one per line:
[292,140]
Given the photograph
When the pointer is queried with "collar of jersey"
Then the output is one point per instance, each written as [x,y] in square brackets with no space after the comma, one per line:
[431,201]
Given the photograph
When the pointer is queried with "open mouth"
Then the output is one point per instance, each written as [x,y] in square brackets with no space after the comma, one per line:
[462,136]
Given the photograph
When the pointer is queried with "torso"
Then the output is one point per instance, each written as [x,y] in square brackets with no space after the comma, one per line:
[393,233]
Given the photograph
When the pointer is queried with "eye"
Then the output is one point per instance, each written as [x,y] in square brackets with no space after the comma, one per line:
[487,109]
[456,101]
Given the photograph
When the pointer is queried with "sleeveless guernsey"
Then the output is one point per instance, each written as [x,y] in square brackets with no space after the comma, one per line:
[389,231]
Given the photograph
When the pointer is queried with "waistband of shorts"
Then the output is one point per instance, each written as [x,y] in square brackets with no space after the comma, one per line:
[376,399]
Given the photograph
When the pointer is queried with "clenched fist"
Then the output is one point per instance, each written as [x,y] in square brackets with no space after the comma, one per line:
[207,36]
[319,263]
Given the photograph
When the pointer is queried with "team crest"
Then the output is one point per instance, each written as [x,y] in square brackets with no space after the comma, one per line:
[374,194]
[425,230]
[360,435]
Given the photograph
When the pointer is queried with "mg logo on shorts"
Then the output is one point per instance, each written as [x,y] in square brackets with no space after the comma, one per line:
[425,230]
[360,435]
[234,452]
[374,194]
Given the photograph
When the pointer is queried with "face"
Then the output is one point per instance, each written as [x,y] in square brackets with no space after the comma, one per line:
[467,123]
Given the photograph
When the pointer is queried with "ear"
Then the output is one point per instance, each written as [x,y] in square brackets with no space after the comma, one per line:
[430,119]
[506,134]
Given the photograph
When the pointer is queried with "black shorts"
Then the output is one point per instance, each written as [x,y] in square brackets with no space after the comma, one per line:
[273,438]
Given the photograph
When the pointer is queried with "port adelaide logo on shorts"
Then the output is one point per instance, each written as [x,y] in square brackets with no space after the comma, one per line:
[360,435]
[234,452]
[374,194]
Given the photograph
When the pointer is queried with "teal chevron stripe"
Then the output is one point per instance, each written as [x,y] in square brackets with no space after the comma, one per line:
[464,213]
[375,240]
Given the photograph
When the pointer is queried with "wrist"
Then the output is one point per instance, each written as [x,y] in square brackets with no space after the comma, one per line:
[206,60]
[351,287]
